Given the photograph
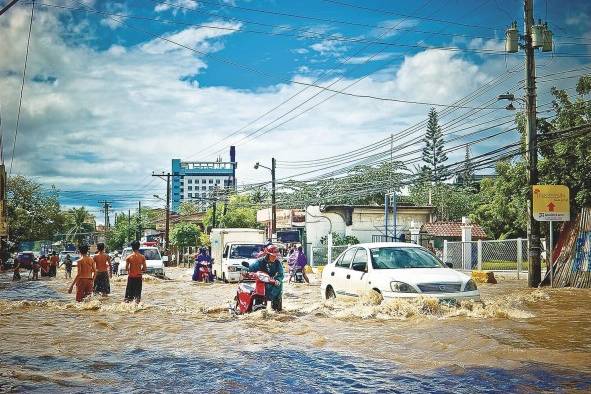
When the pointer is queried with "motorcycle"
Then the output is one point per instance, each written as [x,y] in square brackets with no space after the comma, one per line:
[251,294]
[296,275]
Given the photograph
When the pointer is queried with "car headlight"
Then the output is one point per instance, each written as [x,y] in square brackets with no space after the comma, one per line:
[401,287]
[470,286]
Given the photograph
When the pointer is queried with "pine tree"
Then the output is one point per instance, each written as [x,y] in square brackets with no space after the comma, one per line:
[433,153]
[468,170]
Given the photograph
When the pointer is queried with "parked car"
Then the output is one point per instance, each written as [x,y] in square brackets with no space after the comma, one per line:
[154,262]
[74,256]
[396,270]
[26,259]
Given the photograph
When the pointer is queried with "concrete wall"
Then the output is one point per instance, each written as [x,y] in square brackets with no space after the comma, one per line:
[366,222]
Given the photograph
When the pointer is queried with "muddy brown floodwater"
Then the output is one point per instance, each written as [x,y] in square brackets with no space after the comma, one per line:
[181,338]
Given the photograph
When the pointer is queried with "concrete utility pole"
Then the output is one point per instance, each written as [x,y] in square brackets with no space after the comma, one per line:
[533,227]
[273,187]
[128,225]
[139,221]
[106,206]
[273,201]
[166,177]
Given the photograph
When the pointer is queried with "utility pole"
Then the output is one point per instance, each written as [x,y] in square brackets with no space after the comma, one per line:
[166,177]
[213,223]
[273,201]
[106,206]
[533,227]
[139,221]
[128,225]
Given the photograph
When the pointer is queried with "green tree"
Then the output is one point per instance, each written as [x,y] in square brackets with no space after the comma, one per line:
[240,212]
[185,234]
[79,223]
[567,160]
[467,170]
[188,208]
[32,213]
[433,153]
[502,207]
[339,239]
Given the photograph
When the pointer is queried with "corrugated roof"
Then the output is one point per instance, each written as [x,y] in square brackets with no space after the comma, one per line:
[452,229]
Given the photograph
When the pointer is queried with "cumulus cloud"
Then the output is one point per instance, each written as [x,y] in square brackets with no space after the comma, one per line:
[111,117]
[176,5]
[392,27]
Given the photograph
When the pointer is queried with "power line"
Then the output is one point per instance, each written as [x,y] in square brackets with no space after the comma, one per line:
[20,101]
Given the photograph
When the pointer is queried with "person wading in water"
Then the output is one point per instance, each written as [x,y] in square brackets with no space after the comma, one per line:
[84,275]
[135,265]
[53,263]
[102,264]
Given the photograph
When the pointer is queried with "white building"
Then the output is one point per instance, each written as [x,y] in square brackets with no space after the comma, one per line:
[365,222]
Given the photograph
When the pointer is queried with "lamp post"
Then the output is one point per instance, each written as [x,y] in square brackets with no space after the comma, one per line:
[273,207]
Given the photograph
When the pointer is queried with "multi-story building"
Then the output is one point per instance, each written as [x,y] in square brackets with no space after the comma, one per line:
[201,182]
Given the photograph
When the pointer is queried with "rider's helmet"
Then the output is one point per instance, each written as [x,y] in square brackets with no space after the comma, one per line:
[271,252]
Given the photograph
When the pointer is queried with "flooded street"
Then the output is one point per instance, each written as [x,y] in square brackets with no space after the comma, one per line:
[182,338]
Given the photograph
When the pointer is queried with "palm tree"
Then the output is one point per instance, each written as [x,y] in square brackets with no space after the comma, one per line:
[79,222]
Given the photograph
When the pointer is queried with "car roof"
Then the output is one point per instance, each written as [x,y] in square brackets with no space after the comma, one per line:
[388,244]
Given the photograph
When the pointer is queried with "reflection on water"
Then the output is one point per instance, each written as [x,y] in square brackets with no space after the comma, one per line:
[182,337]
[272,371]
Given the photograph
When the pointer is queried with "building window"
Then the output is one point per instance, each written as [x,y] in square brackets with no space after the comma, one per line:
[190,181]
[211,181]
[211,188]
[217,181]
[190,187]
[203,187]
[203,181]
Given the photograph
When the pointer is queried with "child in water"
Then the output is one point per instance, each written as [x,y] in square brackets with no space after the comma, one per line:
[135,265]
[84,275]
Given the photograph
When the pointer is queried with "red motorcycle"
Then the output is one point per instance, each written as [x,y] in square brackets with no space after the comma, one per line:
[251,296]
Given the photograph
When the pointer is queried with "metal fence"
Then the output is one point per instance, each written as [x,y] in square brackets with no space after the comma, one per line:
[495,255]
[319,255]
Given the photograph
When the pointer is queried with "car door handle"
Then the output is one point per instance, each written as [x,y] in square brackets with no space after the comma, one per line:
[332,274]
[348,276]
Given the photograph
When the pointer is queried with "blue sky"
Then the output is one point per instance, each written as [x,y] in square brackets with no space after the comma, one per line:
[107,103]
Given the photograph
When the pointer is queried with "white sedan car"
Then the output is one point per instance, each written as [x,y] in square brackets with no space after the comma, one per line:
[154,261]
[395,270]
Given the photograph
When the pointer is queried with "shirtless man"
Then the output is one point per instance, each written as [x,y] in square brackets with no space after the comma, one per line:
[84,275]
[102,264]
[53,263]
[135,265]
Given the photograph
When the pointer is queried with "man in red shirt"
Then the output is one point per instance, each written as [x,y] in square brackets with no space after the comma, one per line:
[135,265]
[84,275]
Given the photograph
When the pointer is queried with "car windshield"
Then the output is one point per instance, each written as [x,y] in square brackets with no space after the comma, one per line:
[150,254]
[396,258]
[245,251]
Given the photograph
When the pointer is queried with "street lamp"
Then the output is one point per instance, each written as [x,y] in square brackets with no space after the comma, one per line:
[273,207]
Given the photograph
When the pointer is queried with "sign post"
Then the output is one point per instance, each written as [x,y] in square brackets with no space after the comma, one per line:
[551,203]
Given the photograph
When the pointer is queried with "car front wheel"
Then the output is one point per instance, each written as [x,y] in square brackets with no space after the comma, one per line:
[330,294]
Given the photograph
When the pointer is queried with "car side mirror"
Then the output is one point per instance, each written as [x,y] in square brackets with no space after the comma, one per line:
[245,264]
[449,265]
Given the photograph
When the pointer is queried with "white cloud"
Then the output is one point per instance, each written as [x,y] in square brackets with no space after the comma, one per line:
[393,27]
[114,22]
[193,37]
[176,5]
[369,58]
[117,115]
[328,47]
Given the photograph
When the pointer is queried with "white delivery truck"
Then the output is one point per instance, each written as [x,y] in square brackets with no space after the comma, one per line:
[231,246]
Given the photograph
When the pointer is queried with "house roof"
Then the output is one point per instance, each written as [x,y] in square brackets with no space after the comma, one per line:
[452,229]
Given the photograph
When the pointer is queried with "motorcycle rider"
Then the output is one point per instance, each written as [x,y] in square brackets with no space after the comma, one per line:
[270,263]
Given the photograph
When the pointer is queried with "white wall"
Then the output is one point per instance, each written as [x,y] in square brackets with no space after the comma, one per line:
[366,222]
